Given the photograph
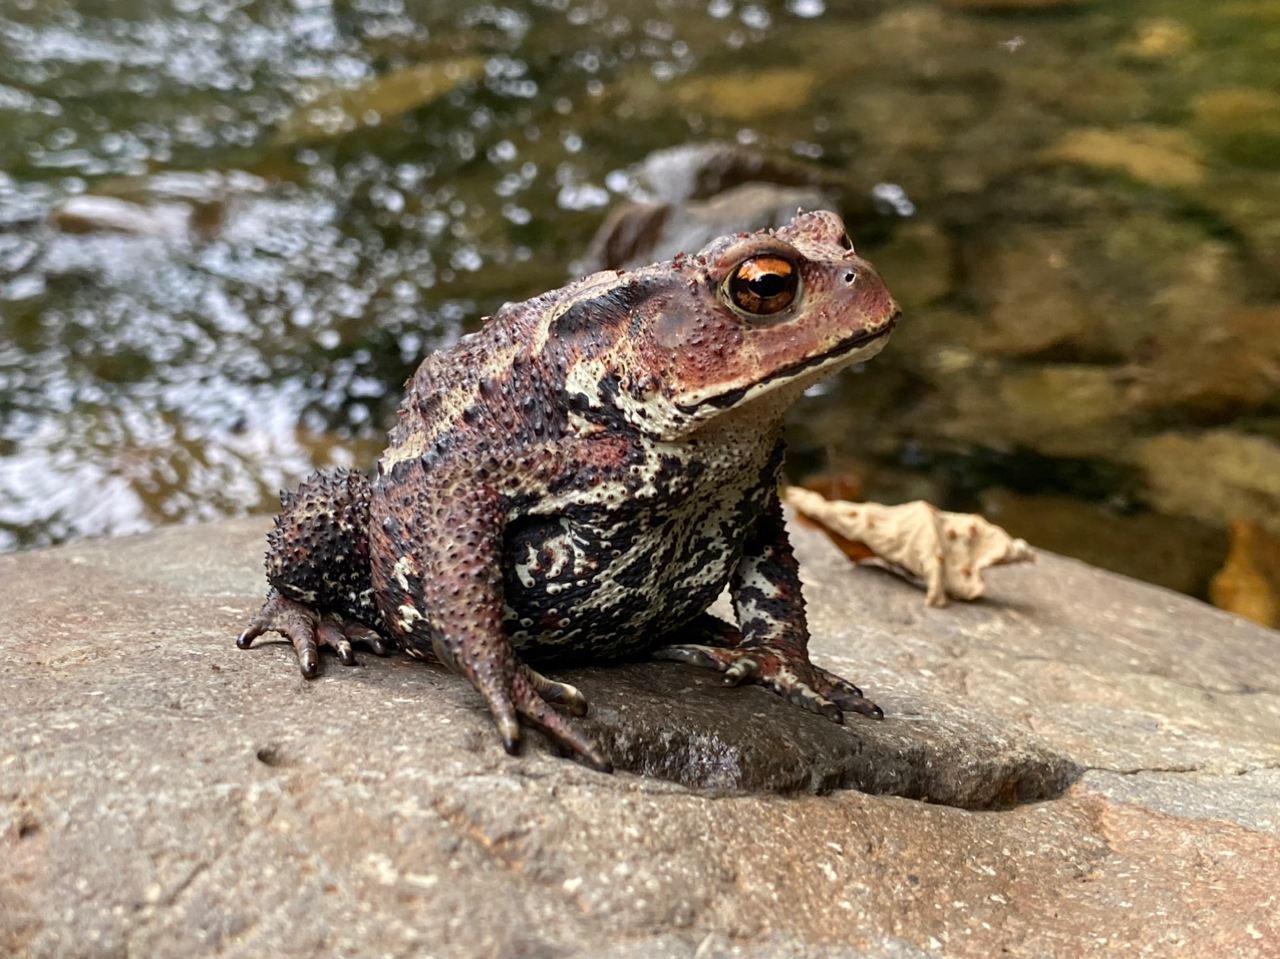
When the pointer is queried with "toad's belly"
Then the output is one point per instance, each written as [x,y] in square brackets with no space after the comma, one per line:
[598,585]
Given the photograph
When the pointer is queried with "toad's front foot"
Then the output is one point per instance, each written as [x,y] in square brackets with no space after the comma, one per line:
[308,630]
[799,681]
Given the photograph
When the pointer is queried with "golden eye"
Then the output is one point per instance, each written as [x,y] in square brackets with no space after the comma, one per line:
[763,285]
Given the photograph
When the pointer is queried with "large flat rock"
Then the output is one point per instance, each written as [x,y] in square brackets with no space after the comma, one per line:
[1099,764]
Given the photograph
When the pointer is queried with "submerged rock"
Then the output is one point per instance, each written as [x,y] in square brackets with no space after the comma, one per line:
[1158,156]
[1056,409]
[1219,370]
[637,234]
[698,171]
[746,96]
[1214,476]
[108,214]
[1159,39]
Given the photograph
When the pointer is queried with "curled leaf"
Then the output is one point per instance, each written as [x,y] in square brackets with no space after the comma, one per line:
[948,551]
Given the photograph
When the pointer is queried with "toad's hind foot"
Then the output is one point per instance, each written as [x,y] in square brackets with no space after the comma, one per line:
[308,630]
[525,695]
[796,680]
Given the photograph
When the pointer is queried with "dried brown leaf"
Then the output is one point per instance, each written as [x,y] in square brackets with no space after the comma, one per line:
[948,551]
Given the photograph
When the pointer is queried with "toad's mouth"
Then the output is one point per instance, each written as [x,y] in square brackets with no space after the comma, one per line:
[832,356]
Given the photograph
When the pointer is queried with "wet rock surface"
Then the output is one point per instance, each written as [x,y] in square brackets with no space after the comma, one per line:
[164,794]
[660,720]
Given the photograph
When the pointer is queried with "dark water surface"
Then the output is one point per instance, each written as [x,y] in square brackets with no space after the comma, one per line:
[310,195]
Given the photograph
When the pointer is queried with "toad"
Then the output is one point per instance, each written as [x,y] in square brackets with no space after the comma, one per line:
[581,478]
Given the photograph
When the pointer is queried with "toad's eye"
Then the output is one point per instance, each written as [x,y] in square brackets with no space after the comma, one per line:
[763,285]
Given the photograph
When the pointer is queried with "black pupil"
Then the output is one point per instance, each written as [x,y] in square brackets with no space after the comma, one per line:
[770,284]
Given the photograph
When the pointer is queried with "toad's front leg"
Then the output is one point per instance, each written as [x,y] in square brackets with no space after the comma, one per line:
[774,645]
[437,575]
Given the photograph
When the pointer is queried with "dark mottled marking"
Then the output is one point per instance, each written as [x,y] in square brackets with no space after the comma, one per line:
[606,309]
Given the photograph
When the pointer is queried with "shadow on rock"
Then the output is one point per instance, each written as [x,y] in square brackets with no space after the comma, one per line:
[674,723]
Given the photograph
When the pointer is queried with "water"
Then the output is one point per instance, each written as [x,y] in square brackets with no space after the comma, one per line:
[1078,201]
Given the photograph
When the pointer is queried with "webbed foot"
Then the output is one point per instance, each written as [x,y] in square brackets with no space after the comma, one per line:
[308,630]
[796,680]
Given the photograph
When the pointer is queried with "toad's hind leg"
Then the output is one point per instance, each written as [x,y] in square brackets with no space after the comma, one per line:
[318,567]
[438,576]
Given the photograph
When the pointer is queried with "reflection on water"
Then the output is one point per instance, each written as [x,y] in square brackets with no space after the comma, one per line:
[230,228]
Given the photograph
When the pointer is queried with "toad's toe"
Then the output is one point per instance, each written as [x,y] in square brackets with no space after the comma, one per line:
[307,630]
[795,679]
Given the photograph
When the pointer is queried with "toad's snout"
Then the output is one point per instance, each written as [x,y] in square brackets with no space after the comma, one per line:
[872,299]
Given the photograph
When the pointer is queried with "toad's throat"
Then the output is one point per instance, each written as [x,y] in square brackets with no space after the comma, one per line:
[734,397]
